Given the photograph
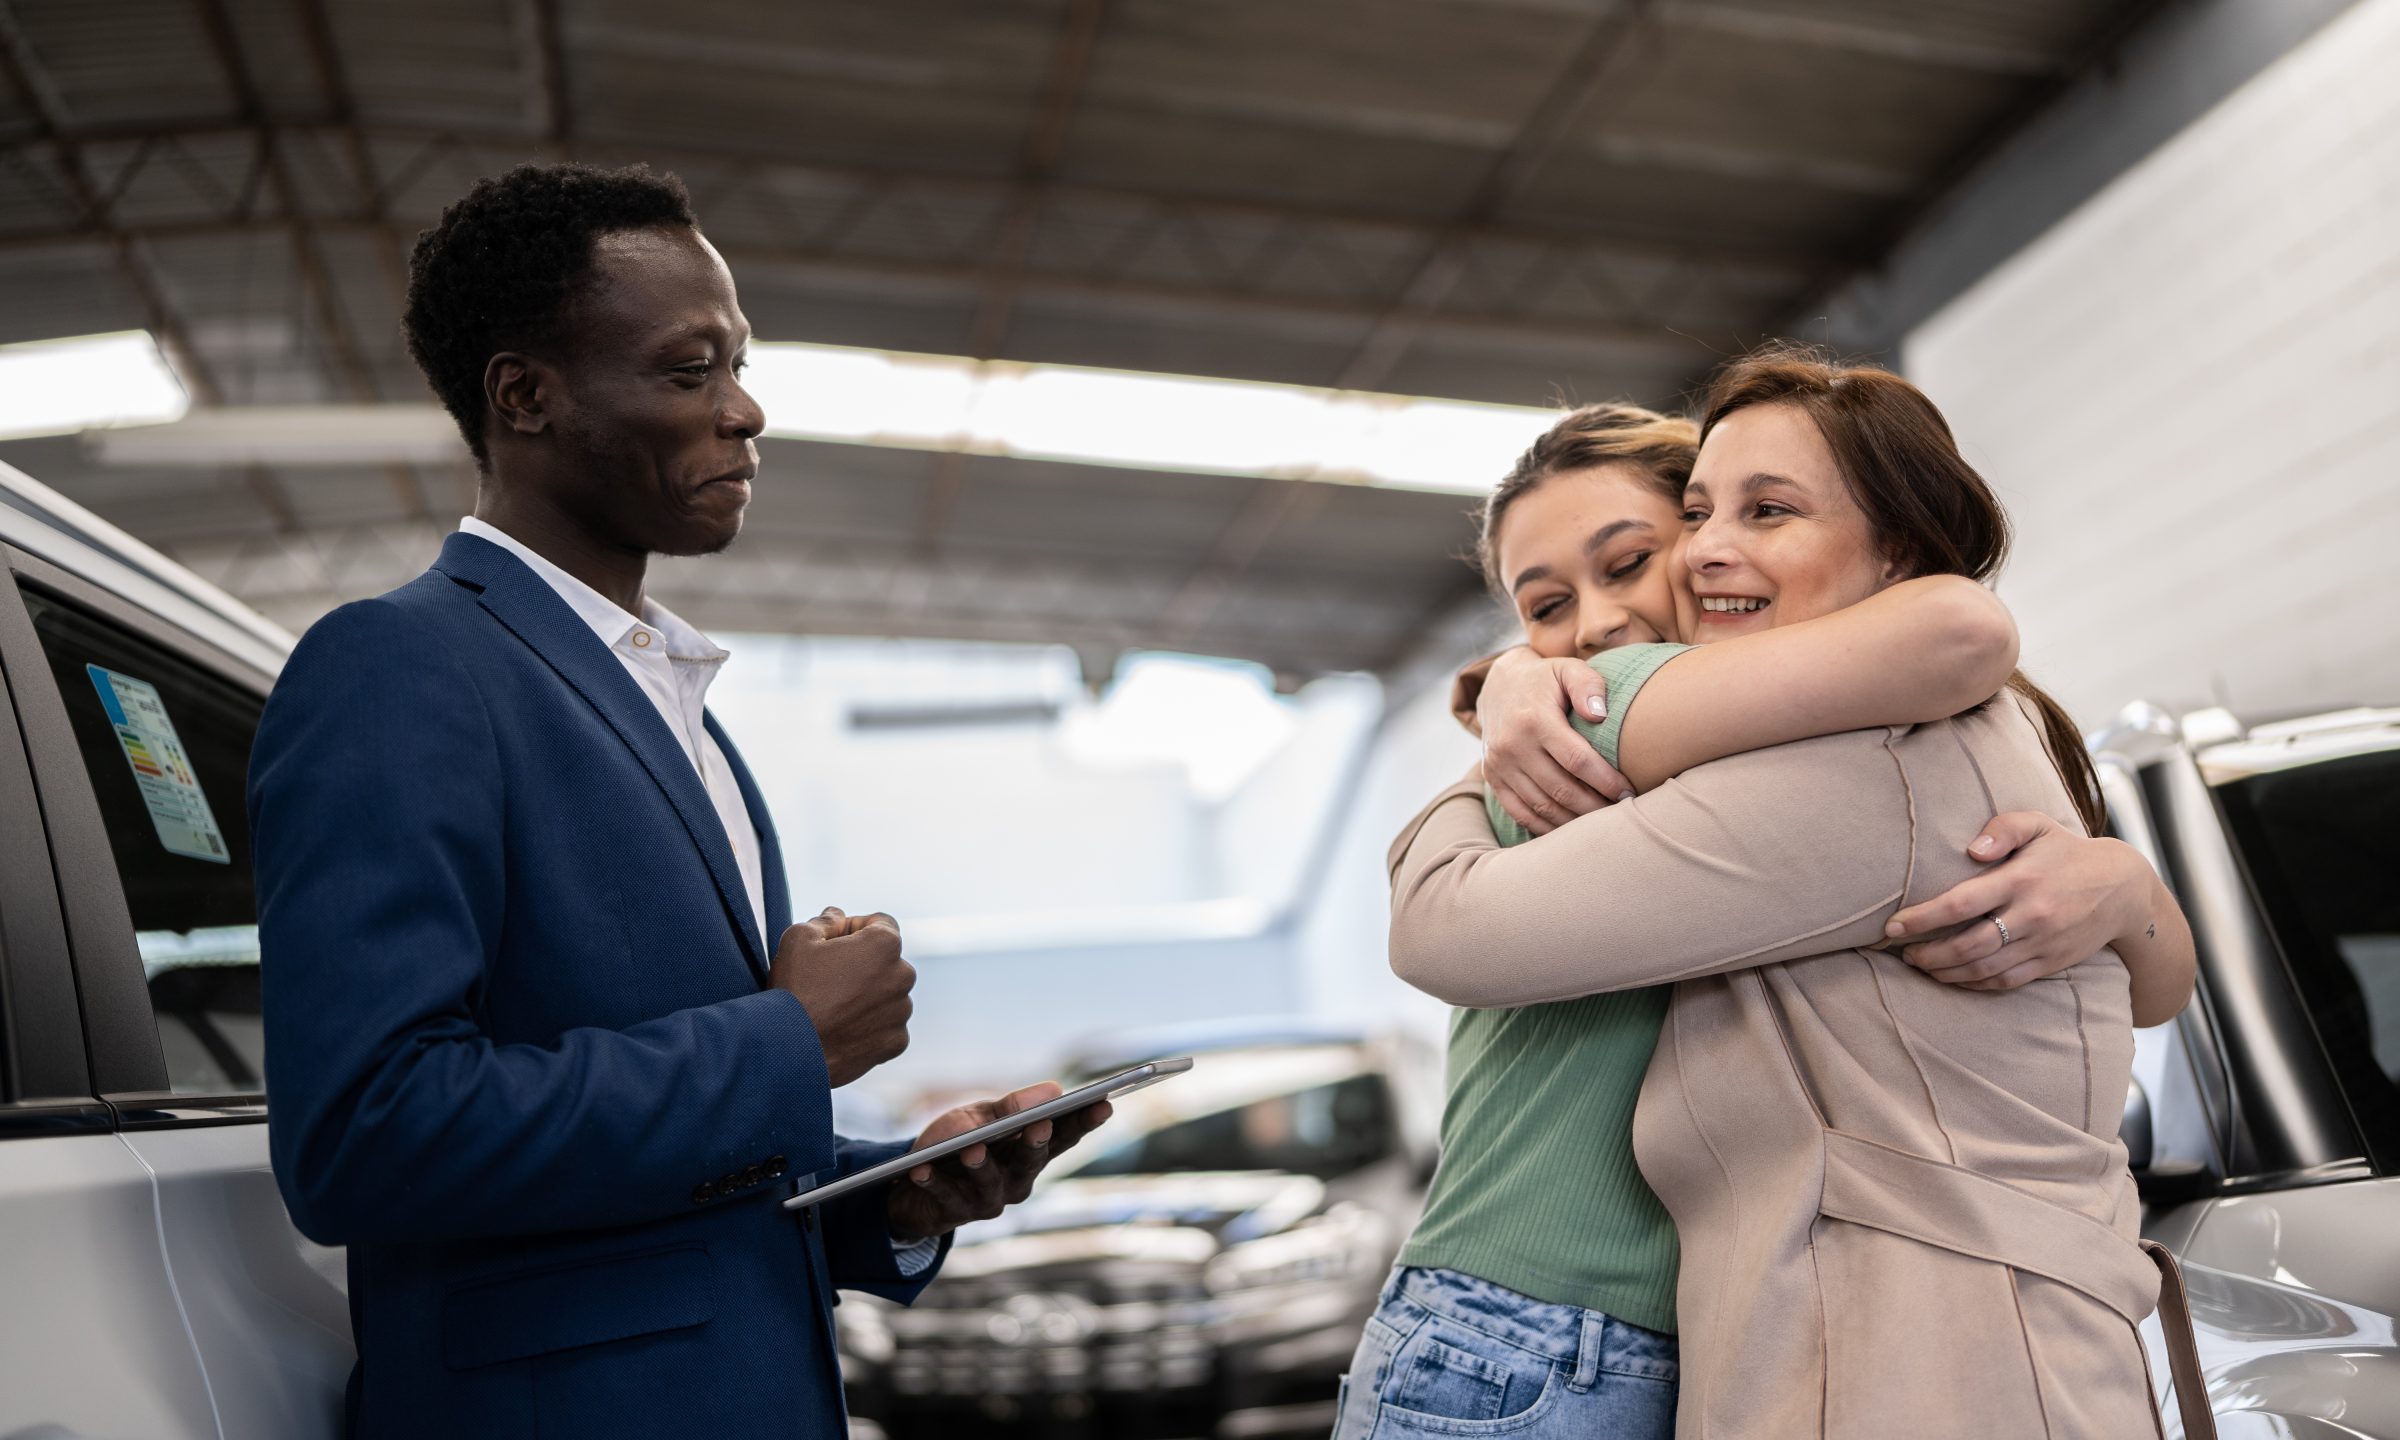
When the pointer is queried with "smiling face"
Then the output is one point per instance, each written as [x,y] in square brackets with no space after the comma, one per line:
[1772,533]
[661,434]
[1587,556]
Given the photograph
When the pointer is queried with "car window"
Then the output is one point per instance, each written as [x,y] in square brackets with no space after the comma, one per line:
[1325,1131]
[2320,847]
[166,743]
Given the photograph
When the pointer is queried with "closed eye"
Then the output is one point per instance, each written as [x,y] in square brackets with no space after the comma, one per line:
[1632,566]
[1545,609]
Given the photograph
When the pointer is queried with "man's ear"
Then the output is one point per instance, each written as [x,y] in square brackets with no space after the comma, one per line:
[518,390]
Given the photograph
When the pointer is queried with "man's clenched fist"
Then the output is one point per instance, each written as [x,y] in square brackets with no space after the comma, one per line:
[848,974]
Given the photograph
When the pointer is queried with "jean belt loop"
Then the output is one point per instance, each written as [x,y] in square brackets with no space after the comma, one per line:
[1587,1354]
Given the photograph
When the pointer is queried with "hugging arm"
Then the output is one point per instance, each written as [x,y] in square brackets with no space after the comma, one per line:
[2062,895]
[1747,861]
[1921,650]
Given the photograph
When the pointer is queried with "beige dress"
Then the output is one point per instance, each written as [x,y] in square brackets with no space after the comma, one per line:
[1903,1207]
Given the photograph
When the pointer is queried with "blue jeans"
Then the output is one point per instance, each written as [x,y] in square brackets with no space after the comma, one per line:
[1448,1354]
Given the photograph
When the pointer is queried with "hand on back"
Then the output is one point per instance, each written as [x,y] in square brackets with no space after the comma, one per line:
[1541,769]
[2061,895]
[847,972]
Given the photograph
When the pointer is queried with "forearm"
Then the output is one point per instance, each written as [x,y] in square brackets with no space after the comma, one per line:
[438,1134]
[1919,651]
[1750,861]
[2155,942]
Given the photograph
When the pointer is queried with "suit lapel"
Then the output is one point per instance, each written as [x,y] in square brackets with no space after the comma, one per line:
[770,853]
[535,614]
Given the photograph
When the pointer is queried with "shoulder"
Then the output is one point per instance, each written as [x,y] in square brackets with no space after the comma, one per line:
[394,642]
[2009,749]
[1851,781]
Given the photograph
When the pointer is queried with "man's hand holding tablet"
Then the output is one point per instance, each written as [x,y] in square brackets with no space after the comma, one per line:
[980,1181]
[976,1160]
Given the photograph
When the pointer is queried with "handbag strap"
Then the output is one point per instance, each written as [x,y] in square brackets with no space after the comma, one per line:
[2183,1349]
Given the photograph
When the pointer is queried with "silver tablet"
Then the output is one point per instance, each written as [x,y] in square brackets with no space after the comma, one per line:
[1073,1100]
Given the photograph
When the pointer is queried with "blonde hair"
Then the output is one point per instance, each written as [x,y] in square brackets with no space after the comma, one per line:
[1661,446]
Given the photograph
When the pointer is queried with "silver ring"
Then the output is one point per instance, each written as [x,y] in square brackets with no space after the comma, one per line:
[2002,926]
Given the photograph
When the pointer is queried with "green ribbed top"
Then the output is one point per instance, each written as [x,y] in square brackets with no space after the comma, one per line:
[1537,1188]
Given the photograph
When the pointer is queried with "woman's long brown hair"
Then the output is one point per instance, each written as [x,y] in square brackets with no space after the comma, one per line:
[1931,513]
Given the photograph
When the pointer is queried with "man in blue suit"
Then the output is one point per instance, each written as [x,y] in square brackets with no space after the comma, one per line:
[542,1050]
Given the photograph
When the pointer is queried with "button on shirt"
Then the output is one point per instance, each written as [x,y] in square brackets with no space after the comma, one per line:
[673,665]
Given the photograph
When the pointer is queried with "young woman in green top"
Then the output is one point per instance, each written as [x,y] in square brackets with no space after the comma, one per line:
[1540,1241]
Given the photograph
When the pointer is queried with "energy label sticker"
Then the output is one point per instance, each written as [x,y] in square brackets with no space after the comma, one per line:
[163,772]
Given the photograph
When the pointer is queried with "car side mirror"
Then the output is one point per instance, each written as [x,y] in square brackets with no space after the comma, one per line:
[2134,1129]
[2166,1184]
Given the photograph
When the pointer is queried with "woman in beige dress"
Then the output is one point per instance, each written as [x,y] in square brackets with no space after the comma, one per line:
[1903,1208]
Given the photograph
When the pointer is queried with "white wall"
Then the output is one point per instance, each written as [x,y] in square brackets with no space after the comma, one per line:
[1340,947]
[1051,887]
[2188,393]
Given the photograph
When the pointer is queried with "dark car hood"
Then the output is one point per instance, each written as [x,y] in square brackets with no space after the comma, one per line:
[1230,1207]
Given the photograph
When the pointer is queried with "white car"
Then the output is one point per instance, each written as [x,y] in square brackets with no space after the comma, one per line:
[150,1282]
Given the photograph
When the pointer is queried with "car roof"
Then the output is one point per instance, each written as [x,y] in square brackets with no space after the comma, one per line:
[2231,747]
[43,523]
[1118,1050]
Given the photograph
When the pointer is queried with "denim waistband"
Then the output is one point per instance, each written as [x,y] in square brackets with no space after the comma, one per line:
[1555,1332]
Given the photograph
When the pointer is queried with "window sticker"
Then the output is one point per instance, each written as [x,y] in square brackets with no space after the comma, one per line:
[186,826]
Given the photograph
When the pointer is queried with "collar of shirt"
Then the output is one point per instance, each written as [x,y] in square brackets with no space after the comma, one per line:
[657,636]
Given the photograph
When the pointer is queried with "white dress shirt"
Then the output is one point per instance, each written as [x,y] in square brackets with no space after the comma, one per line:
[674,664]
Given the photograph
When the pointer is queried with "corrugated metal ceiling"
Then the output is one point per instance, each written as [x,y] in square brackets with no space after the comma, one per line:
[1513,200]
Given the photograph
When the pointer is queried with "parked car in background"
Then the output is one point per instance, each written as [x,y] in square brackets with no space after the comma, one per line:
[150,1283]
[1201,1267]
[2264,1122]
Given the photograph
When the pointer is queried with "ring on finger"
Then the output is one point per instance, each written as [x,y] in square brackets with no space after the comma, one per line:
[2002,926]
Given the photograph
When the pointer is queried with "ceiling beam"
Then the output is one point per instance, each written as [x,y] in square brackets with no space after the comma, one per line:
[795,586]
[316,280]
[1728,251]
[31,82]
[333,82]
[1037,160]
[1878,41]
[1560,336]
[1303,110]
[1553,116]
[1539,136]
[2097,53]
[548,53]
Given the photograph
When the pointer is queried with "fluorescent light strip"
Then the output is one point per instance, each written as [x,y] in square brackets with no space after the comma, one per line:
[942,402]
[1141,420]
[58,387]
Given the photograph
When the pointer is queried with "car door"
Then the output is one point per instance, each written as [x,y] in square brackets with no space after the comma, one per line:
[2266,1120]
[136,734]
[2297,1294]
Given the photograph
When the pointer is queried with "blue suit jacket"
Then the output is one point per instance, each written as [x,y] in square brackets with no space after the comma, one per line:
[521,1054]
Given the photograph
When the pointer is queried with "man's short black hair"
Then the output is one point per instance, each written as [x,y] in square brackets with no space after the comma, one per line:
[506,264]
